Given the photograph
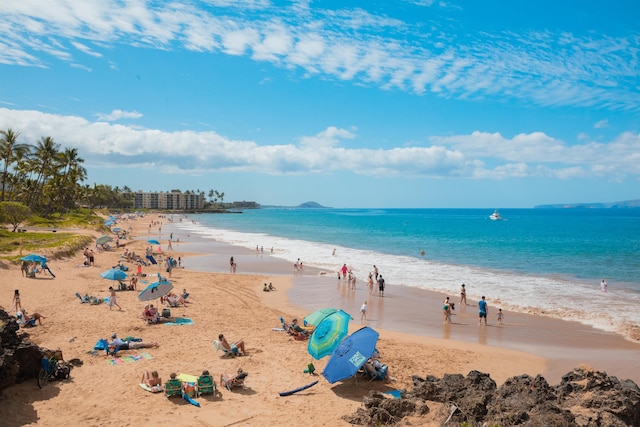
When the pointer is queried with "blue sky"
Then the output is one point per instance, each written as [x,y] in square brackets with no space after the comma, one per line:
[405,103]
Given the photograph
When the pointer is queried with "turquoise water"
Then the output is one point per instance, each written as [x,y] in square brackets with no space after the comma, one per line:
[535,260]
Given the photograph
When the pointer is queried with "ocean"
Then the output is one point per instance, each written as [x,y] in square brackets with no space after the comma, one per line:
[542,261]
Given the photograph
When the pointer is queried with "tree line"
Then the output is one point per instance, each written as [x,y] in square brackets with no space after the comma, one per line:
[48,179]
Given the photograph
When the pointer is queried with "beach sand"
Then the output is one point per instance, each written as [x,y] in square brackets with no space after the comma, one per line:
[413,341]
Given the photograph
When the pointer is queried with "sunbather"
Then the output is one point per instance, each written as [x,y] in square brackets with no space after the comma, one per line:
[153,380]
[298,331]
[235,348]
[118,344]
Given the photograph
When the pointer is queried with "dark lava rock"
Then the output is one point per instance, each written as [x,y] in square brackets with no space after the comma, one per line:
[584,398]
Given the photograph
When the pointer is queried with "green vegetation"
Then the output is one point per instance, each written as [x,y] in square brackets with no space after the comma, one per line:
[60,244]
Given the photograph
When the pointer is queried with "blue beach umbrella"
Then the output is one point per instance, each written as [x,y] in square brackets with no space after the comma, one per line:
[153,241]
[34,258]
[155,290]
[318,316]
[103,239]
[328,334]
[107,223]
[117,229]
[114,274]
[351,354]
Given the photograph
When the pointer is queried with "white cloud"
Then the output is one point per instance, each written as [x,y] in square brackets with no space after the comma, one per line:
[544,67]
[478,155]
[601,124]
[119,114]
[86,49]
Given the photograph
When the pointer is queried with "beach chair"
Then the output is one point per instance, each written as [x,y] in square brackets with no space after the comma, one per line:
[231,381]
[206,385]
[173,388]
[225,351]
[375,372]
[24,323]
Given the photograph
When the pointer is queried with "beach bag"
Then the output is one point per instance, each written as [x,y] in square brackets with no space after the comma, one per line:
[62,371]
[166,313]
[102,344]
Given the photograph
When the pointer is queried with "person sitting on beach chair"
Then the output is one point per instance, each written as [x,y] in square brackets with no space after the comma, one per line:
[298,331]
[173,387]
[24,320]
[205,384]
[233,380]
[375,370]
[150,314]
[235,349]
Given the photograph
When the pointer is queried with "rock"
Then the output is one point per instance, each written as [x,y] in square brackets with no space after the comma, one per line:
[19,358]
[584,398]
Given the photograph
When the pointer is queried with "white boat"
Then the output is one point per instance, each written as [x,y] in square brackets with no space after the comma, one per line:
[495,216]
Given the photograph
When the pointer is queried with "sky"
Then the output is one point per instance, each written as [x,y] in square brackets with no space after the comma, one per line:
[351,104]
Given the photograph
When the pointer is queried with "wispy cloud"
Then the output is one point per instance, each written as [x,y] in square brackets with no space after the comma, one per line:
[544,67]
[478,155]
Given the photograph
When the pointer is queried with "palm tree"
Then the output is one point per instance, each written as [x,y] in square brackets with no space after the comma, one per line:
[10,152]
[46,152]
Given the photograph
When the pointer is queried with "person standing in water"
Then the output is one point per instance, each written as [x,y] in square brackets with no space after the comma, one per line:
[482,311]
[463,295]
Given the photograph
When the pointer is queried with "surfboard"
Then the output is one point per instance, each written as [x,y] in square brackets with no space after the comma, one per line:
[149,389]
[295,390]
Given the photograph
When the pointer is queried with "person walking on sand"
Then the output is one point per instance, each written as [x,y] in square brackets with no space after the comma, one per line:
[463,295]
[113,300]
[482,311]
[446,311]
[381,286]
[363,312]
[500,316]
[344,269]
[16,300]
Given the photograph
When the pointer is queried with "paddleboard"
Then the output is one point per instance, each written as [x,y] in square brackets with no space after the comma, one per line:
[295,390]
[156,389]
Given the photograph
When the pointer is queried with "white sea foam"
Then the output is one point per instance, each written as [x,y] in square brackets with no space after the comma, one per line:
[614,311]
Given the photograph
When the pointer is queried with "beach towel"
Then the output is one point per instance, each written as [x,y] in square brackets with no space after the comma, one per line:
[180,321]
[129,359]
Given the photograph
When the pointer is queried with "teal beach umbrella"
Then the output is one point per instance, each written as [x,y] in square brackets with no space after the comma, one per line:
[318,316]
[328,334]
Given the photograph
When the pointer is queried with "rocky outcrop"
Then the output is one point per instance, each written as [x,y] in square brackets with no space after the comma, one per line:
[19,358]
[584,398]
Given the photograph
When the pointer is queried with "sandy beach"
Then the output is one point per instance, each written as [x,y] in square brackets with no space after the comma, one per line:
[413,341]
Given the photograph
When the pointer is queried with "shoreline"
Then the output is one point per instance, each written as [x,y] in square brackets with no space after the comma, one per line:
[101,393]
[565,344]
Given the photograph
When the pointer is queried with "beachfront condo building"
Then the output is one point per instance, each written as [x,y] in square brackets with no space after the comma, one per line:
[172,200]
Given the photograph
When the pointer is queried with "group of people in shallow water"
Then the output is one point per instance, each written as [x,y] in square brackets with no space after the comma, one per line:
[448,307]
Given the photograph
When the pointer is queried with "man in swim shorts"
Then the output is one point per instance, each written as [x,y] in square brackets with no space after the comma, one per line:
[482,306]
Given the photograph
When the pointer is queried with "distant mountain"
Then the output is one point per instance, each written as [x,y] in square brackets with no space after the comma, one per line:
[627,204]
[310,205]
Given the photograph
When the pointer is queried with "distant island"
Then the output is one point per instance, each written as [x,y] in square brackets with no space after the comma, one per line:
[626,204]
[306,205]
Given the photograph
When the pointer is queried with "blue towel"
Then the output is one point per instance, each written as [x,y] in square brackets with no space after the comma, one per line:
[394,393]
[180,321]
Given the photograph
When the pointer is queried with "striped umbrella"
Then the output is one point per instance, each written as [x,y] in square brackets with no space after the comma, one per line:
[328,334]
[318,316]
